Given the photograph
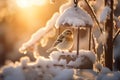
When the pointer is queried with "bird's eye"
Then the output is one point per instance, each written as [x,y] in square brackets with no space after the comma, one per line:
[69,33]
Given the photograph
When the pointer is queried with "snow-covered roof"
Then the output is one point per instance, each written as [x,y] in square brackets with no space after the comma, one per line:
[74,16]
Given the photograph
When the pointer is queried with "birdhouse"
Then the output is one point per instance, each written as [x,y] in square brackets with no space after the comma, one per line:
[75,18]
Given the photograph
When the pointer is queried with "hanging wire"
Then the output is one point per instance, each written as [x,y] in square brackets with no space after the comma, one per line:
[94,16]
[75,2]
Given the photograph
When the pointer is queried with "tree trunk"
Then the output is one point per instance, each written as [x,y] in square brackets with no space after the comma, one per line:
[109,43]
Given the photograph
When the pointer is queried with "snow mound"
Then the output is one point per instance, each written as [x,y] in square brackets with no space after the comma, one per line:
[84,74]
[84,60]
[107,74]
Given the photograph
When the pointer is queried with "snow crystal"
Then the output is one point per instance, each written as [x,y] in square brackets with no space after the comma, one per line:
[40,33]
[105,13]
[74,16]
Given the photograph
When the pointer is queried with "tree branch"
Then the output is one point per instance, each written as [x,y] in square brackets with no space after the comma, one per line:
[116,34]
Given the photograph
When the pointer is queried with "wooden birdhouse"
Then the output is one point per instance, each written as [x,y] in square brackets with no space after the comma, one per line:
[75,18]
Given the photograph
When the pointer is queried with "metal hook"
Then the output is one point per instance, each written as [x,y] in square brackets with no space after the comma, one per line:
[75,2]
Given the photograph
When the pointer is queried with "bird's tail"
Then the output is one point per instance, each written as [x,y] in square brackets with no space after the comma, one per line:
[50,49]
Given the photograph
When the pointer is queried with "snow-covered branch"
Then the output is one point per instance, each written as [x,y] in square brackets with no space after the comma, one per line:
[44,32]
[105,14]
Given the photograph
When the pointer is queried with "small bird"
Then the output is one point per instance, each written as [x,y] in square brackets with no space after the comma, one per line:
[63,42]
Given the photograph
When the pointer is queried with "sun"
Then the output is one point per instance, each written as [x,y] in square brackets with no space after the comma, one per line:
[29,3]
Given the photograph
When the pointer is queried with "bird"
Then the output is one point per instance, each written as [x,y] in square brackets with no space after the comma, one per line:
[63,42]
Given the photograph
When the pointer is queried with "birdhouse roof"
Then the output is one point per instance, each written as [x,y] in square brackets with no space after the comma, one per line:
[75,17]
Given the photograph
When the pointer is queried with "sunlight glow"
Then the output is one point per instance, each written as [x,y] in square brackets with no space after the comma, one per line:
[23,3]
[29,3]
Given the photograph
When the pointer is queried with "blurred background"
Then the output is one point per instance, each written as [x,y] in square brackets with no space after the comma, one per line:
[19,19]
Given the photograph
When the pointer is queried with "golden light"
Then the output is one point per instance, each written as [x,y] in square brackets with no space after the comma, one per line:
[29,3]
[23,3]
[38,2]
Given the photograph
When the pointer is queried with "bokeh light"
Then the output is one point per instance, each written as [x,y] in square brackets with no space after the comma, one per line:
[29,3]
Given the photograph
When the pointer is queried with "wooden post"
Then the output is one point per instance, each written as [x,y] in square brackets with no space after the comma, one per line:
[90,31]
[78,34]
[109,43]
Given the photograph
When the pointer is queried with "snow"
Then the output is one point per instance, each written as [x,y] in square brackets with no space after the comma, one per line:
[84,74]
[117,20]
[116,53]
[66,74]
[103,37]
[74,16]
[61,65]
[11,73]
[105,14]
[24,60]
[106,74]
[45,68]
[116,48]
[91,55]
[40,33]
[66,5]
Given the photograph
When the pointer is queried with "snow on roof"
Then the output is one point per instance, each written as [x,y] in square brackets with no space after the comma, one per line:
[74,16]
[105,13]
[66,5]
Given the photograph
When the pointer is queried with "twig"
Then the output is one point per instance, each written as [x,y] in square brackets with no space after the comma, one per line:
[94,15]
[90,38]
[93,40]
[116,34]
